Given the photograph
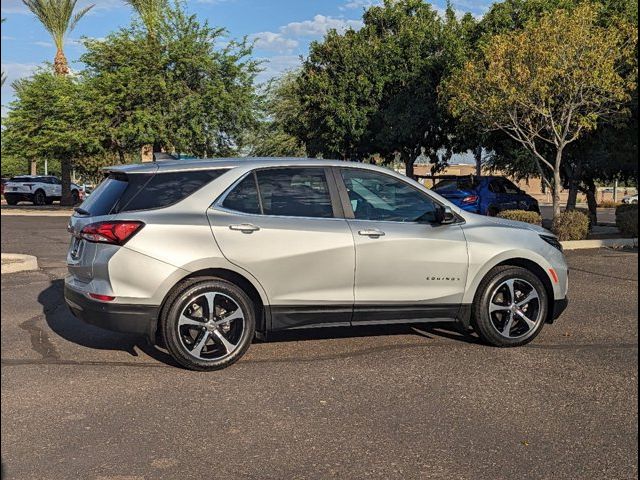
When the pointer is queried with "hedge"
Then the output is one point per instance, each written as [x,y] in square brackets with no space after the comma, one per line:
[572,225]
[627,219]
[522,216]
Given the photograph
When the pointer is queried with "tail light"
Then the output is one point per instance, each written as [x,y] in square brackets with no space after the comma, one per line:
[102,298]
[115,233]
[29,185]
[470,199]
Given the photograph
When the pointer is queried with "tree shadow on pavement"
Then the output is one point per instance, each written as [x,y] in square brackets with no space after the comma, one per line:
[63,323]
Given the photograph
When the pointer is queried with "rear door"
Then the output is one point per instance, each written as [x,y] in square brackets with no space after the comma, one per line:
[408,268]
[284,226]
[55,187]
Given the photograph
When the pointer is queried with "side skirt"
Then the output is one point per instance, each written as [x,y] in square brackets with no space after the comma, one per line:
[289,317]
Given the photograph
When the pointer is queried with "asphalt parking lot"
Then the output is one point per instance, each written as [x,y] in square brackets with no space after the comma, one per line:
[405,403]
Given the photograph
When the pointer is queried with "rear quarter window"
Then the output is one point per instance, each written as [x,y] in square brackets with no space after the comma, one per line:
[124,193]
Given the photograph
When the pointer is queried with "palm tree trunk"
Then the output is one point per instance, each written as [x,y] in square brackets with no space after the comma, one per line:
[60,64]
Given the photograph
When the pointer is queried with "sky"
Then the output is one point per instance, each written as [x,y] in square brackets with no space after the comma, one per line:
[281,29]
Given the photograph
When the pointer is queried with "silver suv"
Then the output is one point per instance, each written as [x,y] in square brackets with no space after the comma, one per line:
[203,255]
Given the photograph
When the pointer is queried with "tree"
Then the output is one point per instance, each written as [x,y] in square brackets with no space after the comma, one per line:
[45,120]
[151,13]
[58,18]
[374,91]
[181,92]
[548,84]
[339,88]
[281,111]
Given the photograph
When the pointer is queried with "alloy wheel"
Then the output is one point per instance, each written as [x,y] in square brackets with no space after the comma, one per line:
[514,309]
[211,325]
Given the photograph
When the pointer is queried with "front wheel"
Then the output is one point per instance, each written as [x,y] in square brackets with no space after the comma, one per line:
[510,307]
[209,325]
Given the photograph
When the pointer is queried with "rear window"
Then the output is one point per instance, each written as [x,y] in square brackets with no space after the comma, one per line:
[25,179]
[124,193]
[453,184]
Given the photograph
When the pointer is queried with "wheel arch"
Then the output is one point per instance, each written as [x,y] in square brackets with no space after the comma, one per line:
[534,268]
[225,274]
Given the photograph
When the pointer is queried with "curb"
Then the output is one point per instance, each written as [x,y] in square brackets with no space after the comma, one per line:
[16,262]
[607,242]
[35,213]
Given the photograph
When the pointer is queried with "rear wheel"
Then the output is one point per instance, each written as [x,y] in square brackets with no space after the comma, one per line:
[510,307]
[39,198]
[75,197]
[209,324]
[11,200]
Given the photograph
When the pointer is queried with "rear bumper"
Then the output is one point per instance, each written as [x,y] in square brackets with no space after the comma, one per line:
[19,196]
[559,306]
[135,319]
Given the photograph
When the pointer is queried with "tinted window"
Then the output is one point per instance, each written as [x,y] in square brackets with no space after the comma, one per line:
[375,196]
[105,196]
[122,193]
[164,189]
[23,179]
[295,192]
[496,186]
[243,197]
[509,187]
[453,184]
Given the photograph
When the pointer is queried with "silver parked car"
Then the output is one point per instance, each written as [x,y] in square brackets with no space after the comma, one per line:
[203,255]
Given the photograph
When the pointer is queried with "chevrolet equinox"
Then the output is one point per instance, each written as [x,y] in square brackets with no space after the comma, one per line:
[203,255]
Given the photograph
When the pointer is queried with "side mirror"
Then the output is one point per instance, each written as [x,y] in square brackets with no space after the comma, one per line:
[445,216]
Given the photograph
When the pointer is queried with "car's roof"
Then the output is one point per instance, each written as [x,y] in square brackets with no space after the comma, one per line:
[33,176]
[210,163]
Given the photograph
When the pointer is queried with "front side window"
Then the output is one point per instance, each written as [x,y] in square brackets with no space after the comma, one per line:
[496,186]
[375,196]
[295,192]
[509,187]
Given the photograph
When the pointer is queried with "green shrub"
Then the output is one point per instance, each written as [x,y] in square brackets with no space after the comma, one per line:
[573,225]
[627,219]
[522,216]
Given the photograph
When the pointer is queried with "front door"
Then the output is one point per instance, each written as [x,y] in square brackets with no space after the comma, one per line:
[283,226]
[408,267]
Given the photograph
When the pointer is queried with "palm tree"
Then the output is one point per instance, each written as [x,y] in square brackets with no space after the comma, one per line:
[4,75]
[150,12]
[58,19]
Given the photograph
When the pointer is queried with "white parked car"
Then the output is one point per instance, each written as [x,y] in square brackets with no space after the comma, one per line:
[38,189]
[630,199]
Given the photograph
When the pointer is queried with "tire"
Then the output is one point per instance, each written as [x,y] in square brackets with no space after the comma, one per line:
[492,211]
[11,200]
[75,197]
[39,198]
[49,201]
[494,292]
[190,303]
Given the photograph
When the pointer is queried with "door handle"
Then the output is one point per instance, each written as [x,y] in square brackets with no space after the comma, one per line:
[244,228]
[373,233]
